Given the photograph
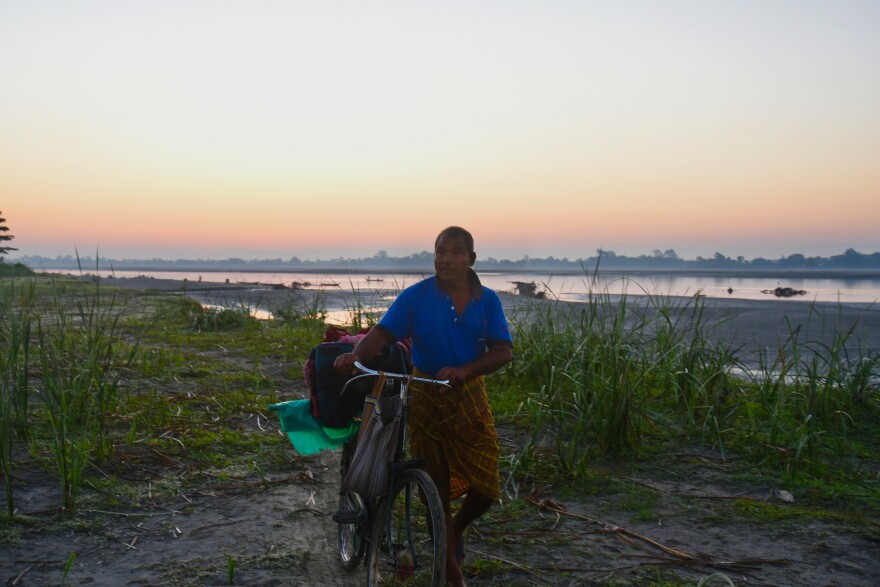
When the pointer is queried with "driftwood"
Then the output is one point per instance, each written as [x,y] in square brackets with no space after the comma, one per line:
[784,292]
[677,556]
[528,289]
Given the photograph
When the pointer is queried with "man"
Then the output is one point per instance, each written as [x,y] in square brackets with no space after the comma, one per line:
[459,332]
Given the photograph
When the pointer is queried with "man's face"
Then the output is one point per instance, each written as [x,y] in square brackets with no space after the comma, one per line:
[452,258]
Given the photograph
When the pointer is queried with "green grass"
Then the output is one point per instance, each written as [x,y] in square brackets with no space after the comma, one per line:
[101,379]
[616,378]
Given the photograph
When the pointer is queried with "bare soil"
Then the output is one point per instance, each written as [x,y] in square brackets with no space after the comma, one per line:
[677,524]
[680,517]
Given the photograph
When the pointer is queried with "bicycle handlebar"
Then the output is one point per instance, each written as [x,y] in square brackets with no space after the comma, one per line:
[368,371]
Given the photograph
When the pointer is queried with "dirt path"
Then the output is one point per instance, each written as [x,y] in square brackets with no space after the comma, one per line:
[659,526]
[280,535]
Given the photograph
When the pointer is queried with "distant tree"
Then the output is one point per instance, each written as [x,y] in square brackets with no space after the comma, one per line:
[720,260]
[794,261]
[813,262]
[4,237]
[851,258]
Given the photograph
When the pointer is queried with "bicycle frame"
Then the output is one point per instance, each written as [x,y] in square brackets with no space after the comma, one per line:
[372,507]
[399,463]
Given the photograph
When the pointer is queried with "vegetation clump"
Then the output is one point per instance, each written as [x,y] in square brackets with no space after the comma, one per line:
[614,377]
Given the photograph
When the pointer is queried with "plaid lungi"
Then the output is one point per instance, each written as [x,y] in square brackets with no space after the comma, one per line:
[455,430]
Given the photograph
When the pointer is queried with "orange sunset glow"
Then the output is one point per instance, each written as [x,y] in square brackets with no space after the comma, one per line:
[178,129]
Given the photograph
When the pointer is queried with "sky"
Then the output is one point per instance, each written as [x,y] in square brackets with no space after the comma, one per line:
[333,129]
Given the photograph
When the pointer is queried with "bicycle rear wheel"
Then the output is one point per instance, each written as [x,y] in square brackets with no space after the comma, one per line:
[351,519]
[408,540]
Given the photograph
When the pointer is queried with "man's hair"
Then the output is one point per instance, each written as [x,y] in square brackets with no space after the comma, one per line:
[455,231]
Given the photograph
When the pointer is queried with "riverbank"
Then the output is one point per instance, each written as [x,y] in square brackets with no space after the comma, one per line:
[747,325]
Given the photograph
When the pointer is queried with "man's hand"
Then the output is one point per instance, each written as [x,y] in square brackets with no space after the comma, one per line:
[368,347]
[344,363]
[455,375]
[496,357]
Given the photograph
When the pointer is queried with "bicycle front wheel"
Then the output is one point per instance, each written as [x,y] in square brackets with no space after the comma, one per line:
[409,536]
[351,518]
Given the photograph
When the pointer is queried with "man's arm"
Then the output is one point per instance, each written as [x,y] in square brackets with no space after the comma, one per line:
[497,356]
[366,348]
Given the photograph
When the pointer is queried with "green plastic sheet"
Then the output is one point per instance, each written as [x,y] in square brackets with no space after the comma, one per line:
[307,436]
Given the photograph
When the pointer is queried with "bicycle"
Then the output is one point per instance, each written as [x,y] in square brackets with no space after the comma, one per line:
[403,533]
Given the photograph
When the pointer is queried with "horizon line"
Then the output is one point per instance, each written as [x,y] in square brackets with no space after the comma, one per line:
[607,255]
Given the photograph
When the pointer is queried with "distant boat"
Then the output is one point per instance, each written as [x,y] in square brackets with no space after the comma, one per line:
[330,284]
[375,279]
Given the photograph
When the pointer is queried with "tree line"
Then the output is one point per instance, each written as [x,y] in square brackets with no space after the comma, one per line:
[602,260]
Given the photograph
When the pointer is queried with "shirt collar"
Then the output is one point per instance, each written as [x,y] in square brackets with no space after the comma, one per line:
[476,285]
[473,281]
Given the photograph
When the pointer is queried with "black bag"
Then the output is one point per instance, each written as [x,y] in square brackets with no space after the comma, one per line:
[370,468]
[329,407]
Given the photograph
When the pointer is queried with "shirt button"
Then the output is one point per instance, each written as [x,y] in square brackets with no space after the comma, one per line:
[451,307]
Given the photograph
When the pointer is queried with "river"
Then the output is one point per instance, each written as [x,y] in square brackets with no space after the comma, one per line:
[567,287]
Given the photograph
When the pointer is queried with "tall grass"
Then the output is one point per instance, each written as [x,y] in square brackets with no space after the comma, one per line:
[601,372]
[102,356]
[364,308]
[601,377]
[314,310]
[811,394]
[16,312]
[64,346]
[66,392]
[16,317]
[6,443]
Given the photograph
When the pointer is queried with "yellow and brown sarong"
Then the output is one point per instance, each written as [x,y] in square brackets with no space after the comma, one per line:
[455,430]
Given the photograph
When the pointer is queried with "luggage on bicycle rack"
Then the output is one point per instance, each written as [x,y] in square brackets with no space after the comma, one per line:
[328,407]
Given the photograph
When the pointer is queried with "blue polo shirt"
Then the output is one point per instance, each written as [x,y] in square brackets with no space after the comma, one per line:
[440,337]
